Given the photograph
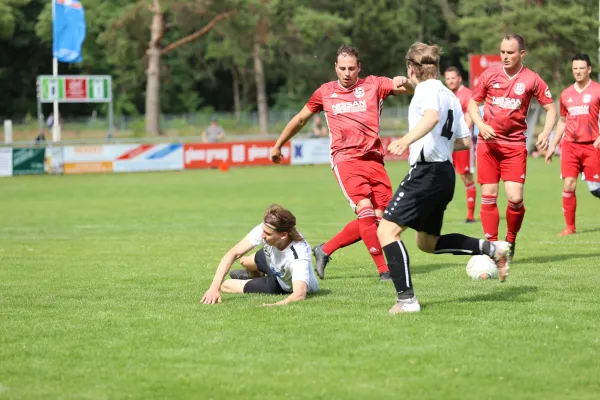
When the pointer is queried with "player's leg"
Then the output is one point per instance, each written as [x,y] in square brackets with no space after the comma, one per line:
[255,265]
[591,169]
[264,284]
[570,167]
[488,176]
[463,164]
[367,224]
[234,285]
[513,168]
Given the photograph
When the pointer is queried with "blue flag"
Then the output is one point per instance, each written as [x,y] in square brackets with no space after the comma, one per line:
[68,30]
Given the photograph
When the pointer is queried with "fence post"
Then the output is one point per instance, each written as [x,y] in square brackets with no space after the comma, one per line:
[8,136]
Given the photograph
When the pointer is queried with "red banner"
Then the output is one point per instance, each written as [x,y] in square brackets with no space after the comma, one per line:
[212,155]
[479,63]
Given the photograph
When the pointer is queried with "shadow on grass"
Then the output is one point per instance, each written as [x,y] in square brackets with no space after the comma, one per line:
[553,257]
[502,294]
[591,230]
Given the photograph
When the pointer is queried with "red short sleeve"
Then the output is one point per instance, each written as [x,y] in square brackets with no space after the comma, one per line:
[563,109]
[385,87]
[480,91]
[315,103]
[542,92]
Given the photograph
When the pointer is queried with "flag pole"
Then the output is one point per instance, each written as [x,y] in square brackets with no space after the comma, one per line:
[56,118]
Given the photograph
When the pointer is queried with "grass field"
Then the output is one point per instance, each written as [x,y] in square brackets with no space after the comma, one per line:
[101,277]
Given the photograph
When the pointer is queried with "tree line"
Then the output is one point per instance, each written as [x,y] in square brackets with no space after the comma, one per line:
[184,56]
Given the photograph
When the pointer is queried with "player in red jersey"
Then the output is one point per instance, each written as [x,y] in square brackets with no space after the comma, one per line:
[579,112]
[464,160]
[352,107]
[501,149]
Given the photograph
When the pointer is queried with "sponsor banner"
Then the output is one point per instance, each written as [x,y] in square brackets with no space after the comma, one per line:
[95,153]
[310,151]
[479,63]
[211,155]
[28,161]
[6,154]
[87,167]
[163,157]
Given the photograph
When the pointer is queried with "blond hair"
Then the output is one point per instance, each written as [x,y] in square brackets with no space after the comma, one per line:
[424,60]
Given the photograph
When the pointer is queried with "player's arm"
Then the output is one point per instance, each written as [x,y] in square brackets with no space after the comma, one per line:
[487,132]
[558,134]
[213,294]
[463,143]
[424,126]
[542,142]
[402,85]
[299,291]
[469,120]
[291,129]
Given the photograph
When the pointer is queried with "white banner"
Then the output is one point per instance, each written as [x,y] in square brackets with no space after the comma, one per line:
[161,157]
[6,161]
[310,151]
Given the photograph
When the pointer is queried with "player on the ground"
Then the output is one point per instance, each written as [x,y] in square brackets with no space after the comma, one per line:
[436,128]
[285,258]
[579,112]
[352,106]
[501,148]
[464,160]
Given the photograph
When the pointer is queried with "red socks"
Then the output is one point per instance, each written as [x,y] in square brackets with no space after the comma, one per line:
[367,224]
[489,217]
[569,205]
[471,196]
[515,212]
[347,236]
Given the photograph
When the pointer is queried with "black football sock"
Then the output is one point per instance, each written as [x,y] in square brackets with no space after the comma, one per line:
[398,263]
[458,244]
[596,193]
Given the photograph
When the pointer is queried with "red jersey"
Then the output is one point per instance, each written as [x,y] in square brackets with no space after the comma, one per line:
[507,101]
[353,117]
[581,109]
[464,95]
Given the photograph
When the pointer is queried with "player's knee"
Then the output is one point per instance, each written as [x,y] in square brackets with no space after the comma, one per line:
[570,185]
[515,198]
[426,243]
[364,203]
[246,261]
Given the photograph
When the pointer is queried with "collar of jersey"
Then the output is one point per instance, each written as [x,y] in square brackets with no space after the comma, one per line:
[350,88]
[510,78]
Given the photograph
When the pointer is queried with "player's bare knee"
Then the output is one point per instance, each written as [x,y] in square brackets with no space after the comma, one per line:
[246,261]
[570,184]
[364,203]
[489,189]
[426,242]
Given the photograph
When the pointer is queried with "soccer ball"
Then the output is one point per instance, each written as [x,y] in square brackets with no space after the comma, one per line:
[482,268]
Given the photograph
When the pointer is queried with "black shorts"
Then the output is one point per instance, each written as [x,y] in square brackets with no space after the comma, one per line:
[264,284]
[262,264]
[422,197]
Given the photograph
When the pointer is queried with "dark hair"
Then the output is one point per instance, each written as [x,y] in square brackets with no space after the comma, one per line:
[281,220]
[348,50]
[425,60]
[452,69]
[582,57]
[518,38]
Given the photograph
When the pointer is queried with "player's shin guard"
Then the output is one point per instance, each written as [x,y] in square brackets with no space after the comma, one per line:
[367,223]
[569,206]
[515,212]
[471,197]
[347,236]
[461,245]
[398,263]
[490,218]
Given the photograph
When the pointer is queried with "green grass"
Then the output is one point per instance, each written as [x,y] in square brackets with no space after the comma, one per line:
[101,277]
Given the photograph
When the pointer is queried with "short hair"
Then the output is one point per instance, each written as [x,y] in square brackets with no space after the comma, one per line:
[452,69]
[425,60]
[518,38]
[348,50]
[582,57]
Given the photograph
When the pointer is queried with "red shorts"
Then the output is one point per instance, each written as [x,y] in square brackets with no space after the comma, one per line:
[464,162]
[579,157]
[497,161]
[361,179]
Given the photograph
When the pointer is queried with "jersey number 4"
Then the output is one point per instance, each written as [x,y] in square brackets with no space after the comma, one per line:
[447,129]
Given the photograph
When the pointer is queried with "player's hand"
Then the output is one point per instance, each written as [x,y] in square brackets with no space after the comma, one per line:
[276,155]
[399,146]
[549,154]
[542,141]
[212,296]
[400,81]
[597,143]
[487,132]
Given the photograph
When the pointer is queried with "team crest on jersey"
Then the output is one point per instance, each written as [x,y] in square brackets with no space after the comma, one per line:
[548,94]
[520,88]
[587,98]
[359,92]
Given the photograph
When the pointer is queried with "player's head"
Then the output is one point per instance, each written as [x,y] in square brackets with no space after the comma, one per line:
[347,65]
[279,227]
[453,78]
[512,50]
[582,67]
[423,62]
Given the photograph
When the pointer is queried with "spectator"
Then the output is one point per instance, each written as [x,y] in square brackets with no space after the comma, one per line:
[213,133]
[318,129]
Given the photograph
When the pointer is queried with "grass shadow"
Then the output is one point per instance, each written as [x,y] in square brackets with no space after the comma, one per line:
[512,293]
[553,257]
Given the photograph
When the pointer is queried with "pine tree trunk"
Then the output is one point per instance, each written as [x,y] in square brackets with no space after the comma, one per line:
[237,107]
[261,89]
[153,72]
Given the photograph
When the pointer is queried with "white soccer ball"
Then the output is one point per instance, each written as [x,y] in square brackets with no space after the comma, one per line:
[480,268]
